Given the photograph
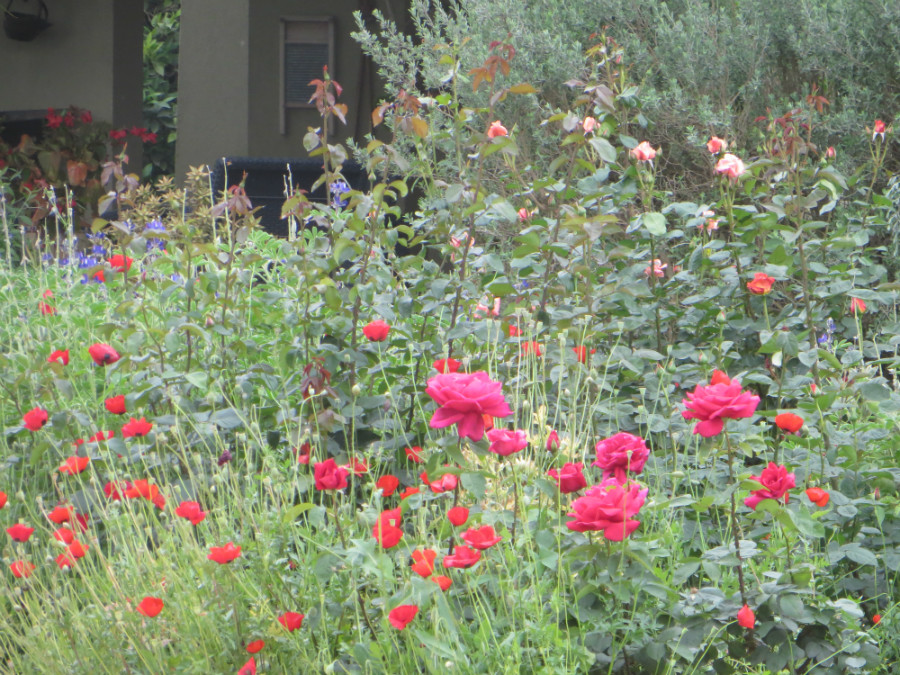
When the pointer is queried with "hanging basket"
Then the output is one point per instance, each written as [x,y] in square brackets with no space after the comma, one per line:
[25,27]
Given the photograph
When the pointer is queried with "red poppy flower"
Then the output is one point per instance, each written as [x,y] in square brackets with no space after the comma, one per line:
[120,263]
[462,557]
[442,581]
[101,436]
[531,348]
[3,499]
[414,454]
[190,511]
[82,520]
[445,483]
[60,356]
[857,306]
[423,562]
[35,418]
[446,365]
[376,331]
[150,607]
[142,488]
[61,514]
[818,496]
[248,668]
[114,490]
[789,422]
[387,529]
[875,618]
[514,331]
[103,354]
[117,134]
[458,515]
[99,276]
[481,537]
[135,427]
[358,467]
[746,617]
[409,492]
[255,647]
[65,535]
[74,465]
[116,404]
[388,484]
[400,617]
[46,309]
[581,353]
[19,532]
[291,620]
[224,554]
[73,552]
[304,453]
[21,569]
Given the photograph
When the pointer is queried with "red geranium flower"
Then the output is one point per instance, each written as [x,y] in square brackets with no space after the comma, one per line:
[35,418]
[255,646]
[61,514]
[291,620]
[150,607]
[329,476]
[789,422]
[423,562]
[446,365]
[74,465]
[60,356]
[224,554]
[120,263]
[376,331]
[148,137]
[103,354]
[21,569]
[481,537]
[458,515]
[414,454]
[402,615]
[442,581]
[388,484]
[135,427]
[190,511]
[116,404]
[137,131]
[462,557]
[19,532]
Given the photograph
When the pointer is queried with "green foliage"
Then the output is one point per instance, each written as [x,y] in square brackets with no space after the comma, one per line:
[161,33]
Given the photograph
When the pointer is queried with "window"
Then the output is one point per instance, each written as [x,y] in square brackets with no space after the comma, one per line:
[307,45]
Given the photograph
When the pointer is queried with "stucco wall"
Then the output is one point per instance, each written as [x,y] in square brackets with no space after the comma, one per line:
[90,57]
[213,82]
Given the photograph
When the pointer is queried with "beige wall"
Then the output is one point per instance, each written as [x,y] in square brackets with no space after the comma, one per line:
[90,57]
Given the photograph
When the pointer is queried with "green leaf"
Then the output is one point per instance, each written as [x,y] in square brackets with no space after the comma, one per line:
[227,419]
[655,223]
[292,513]
[805,523]
[474,483]
[604,149]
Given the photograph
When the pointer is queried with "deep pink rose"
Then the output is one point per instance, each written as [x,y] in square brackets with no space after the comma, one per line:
[569,478]
[776,481]
[464,399]
[721,399]
[330,476]
[609,508]
[619,454]
[505,442]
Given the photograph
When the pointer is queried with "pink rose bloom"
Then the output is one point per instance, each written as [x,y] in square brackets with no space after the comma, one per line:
[644,152]
[776,481]
[619,454]
[464,400]
[505,442]
[721,399]
[497,129]
[569,478]
[553,441]
[715,145]
[730,166]
[329,476]
[609,508]
[589,124]
[657,269]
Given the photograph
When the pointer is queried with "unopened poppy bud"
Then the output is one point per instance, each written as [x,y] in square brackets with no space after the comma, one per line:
[20,495]
[356,390]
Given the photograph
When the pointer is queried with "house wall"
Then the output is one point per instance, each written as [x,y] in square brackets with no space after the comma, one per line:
[213,82]
[90,57]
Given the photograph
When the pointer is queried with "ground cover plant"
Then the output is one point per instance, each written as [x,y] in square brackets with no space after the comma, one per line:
[636,436]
